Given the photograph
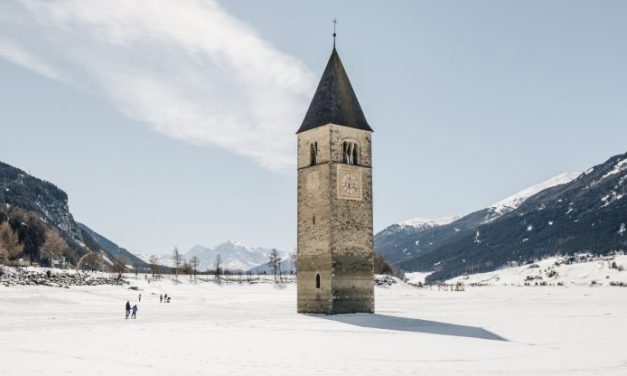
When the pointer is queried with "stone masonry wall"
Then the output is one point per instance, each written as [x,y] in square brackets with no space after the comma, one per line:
[334,234]
[314,214]
[352,239]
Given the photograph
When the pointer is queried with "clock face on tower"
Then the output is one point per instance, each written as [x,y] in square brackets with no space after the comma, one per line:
[349,183]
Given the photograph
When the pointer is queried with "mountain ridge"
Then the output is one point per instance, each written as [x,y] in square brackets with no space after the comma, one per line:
[403,241]
[50,203]
[235,256]
[534,226]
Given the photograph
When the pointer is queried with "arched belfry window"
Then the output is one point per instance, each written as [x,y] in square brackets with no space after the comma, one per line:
[349,152]
[313,153]
[318,280]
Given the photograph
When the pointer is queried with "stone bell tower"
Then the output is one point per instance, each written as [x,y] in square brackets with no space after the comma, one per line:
[335,264]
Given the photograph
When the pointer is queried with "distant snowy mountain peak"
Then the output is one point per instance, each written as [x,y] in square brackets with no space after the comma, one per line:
[164,260]
[234,255]
[429,223]
[514,201]
[495,210]
[231,244]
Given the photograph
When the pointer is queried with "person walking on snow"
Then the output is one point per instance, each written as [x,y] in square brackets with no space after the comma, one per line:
[134,315]
[161,298]
[140,297]
[128,308]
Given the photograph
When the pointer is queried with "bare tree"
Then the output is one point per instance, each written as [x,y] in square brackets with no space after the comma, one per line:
[9,241]
[53,247]
[177,259]
[155,270]
[218,267]
[194,264]
[187,269]
[274,261]
[381,266]
[94,261]
[118,266]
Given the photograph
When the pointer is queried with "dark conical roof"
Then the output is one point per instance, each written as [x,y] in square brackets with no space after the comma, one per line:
[335,101]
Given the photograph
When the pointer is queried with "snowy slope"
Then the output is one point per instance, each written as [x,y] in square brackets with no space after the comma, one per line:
[415,237]
[112,248]
[512,202]
[288,266]
[583,215]
[581,269]
[165,260]
[568,213]
[429,223]
[416,277]
[498,208]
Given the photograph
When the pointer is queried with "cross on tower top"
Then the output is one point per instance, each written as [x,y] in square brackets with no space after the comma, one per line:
[334,34]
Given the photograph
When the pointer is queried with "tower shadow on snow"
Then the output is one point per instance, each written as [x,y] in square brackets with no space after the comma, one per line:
[405,324]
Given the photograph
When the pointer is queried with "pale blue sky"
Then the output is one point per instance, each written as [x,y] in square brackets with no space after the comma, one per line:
[174,125]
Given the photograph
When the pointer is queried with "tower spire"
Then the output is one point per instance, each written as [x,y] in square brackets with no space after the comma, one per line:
[335,101]
[334,33]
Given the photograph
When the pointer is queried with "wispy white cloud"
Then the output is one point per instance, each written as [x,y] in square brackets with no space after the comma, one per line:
[186,68]
[9,50]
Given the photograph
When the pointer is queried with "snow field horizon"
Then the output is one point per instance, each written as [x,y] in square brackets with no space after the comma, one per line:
[254,329]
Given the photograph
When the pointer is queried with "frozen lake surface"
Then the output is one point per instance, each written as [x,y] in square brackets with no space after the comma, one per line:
[255,330]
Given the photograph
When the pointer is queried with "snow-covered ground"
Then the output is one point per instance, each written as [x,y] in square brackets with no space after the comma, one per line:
[255,330]
[416,277]
[583,270]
